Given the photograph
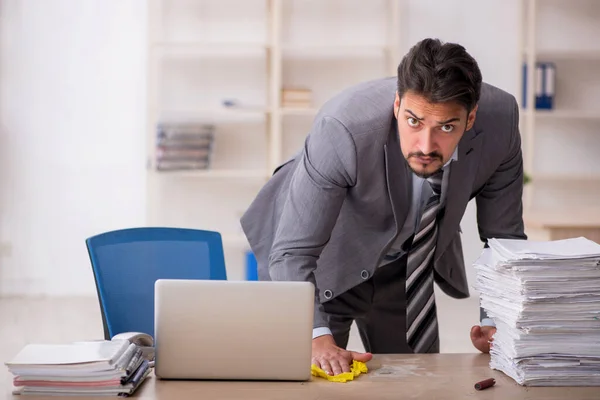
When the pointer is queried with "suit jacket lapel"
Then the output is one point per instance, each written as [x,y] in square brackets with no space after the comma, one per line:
[460,183]
[398,178]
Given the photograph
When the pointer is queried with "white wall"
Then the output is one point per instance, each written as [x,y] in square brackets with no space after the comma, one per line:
[73,92]
[71,142]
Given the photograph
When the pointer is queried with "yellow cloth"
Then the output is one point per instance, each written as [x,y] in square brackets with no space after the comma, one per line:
[356,369]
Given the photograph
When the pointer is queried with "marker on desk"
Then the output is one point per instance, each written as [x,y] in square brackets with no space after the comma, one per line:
[485,384]
[139,373]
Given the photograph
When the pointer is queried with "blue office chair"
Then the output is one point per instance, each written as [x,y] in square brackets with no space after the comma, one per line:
[126,264]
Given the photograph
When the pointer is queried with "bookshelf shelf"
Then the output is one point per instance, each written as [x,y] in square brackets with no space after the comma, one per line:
[332,52]
[223,115]
[584,217]
[565,114]
[218,174]
[204,51]
[566,55]
[210,45]
[298,111]
[566,178]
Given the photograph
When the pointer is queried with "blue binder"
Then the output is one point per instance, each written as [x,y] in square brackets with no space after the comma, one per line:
[544,85]
[548,84]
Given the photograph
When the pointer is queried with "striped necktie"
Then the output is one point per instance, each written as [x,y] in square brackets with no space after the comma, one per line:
[421,321]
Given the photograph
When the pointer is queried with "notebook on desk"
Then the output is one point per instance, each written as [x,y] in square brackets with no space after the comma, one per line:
[113,367]
[95,355]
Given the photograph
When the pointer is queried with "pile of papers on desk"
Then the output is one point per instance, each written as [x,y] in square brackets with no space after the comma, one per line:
[102,368]
[545,300]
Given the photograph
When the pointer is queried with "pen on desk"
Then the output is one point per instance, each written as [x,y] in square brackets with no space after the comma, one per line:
[485,384]
[139,373]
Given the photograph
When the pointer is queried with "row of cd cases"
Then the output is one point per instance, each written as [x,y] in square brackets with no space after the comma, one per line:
[184,146]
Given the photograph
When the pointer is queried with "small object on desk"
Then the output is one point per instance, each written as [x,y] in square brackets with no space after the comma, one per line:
[356,369]
[485,384]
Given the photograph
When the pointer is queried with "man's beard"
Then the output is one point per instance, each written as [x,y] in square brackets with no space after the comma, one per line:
[434,155]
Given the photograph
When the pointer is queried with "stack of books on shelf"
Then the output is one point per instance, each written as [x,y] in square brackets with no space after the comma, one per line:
[97,368]
[296,98]
[545,300]
[184,146]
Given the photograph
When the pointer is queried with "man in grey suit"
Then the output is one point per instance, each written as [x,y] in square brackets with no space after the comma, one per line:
[370,209]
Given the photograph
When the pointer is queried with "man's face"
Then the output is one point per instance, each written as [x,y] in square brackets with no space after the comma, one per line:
[429,132]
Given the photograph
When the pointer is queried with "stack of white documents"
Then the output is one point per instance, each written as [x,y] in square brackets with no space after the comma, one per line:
[99,368]
[545,300]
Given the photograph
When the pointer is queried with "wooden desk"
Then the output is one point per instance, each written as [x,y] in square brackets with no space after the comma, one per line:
[398,377]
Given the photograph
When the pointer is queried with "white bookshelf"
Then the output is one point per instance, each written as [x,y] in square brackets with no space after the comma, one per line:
[202,52]
[561,145]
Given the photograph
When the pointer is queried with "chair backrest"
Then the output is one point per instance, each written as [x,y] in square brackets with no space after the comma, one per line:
[126,264]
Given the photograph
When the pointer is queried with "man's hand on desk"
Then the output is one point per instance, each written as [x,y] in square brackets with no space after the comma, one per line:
[481,336]
[333,359]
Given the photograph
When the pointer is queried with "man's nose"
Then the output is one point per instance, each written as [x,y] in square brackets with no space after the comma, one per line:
[426,144]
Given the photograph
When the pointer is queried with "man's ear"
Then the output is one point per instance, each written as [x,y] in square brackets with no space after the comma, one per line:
[471,117]
[396,104]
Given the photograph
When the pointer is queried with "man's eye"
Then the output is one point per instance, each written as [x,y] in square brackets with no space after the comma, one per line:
[412,121]
[448,128]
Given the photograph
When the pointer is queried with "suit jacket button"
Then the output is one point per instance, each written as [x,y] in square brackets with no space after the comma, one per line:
[328,294]
[364,274]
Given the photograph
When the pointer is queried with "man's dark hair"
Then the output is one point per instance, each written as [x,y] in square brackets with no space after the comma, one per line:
[440,72]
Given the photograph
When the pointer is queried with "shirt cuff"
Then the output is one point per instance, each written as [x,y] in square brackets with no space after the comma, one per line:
[487,322]
[321,332]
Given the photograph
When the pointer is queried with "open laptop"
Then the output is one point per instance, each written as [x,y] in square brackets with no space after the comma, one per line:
[237,330]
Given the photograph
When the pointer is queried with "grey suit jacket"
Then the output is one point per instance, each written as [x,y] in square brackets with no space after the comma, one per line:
[330,214]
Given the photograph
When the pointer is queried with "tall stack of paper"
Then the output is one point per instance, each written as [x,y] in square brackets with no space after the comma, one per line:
[545,300]
[102,368]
